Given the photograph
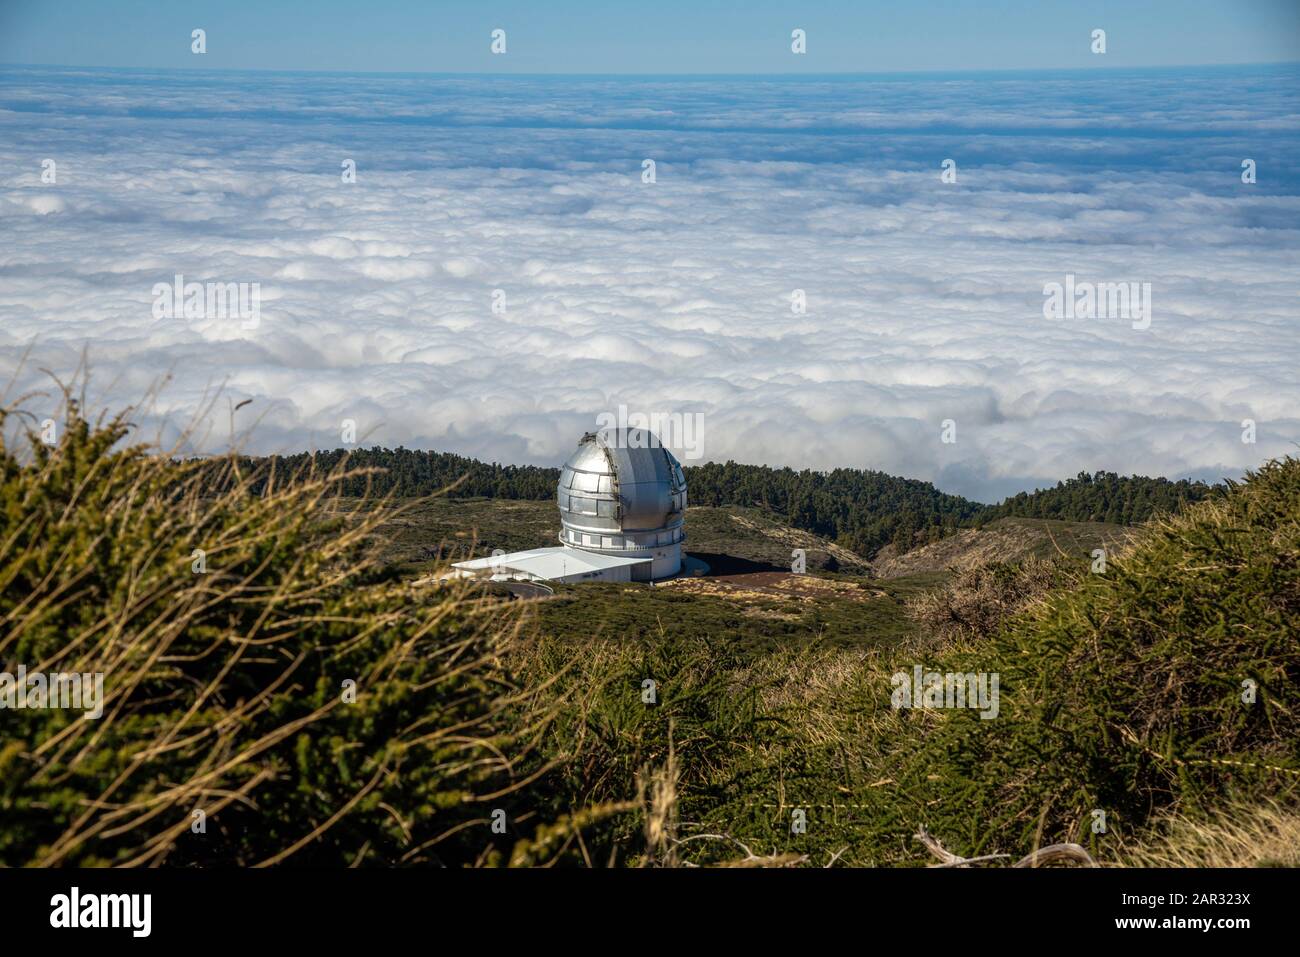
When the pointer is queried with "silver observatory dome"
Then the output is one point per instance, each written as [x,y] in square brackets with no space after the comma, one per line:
[622,493]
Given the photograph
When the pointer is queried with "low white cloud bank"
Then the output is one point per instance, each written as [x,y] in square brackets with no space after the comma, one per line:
[924,299]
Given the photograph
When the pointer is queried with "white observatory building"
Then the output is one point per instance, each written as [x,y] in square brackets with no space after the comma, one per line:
[622,499]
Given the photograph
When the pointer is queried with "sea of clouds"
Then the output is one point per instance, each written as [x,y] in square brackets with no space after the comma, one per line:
[925,299]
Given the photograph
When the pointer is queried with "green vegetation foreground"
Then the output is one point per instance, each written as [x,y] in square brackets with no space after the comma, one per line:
[273,696]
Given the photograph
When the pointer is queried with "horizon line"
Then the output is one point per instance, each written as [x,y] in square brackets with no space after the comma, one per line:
[972,71]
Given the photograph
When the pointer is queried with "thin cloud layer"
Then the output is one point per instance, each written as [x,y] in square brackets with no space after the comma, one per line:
[924,299]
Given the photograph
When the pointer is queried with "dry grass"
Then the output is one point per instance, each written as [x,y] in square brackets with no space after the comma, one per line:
[979,599]
[225,608]
[1265,834]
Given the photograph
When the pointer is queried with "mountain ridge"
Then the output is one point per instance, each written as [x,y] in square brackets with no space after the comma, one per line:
[861,510]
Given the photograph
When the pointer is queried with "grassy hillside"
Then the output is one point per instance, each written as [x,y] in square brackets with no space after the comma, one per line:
[749,616]
[1003,540]
[1167,685]
[267,663]
[750,599]
[431,531]
[860,510]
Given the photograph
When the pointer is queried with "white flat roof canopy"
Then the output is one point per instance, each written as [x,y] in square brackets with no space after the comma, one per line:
[549,563]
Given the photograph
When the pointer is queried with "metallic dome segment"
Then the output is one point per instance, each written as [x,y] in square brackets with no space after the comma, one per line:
[623,493]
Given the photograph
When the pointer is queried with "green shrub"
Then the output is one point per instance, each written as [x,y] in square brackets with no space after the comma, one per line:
[1120,692]
[224,686]
[1125,692]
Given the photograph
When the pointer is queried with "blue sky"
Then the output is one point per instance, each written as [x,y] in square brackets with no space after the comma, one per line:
[657,37]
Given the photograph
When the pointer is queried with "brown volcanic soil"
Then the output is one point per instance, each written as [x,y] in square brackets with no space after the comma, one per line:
[774,585]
